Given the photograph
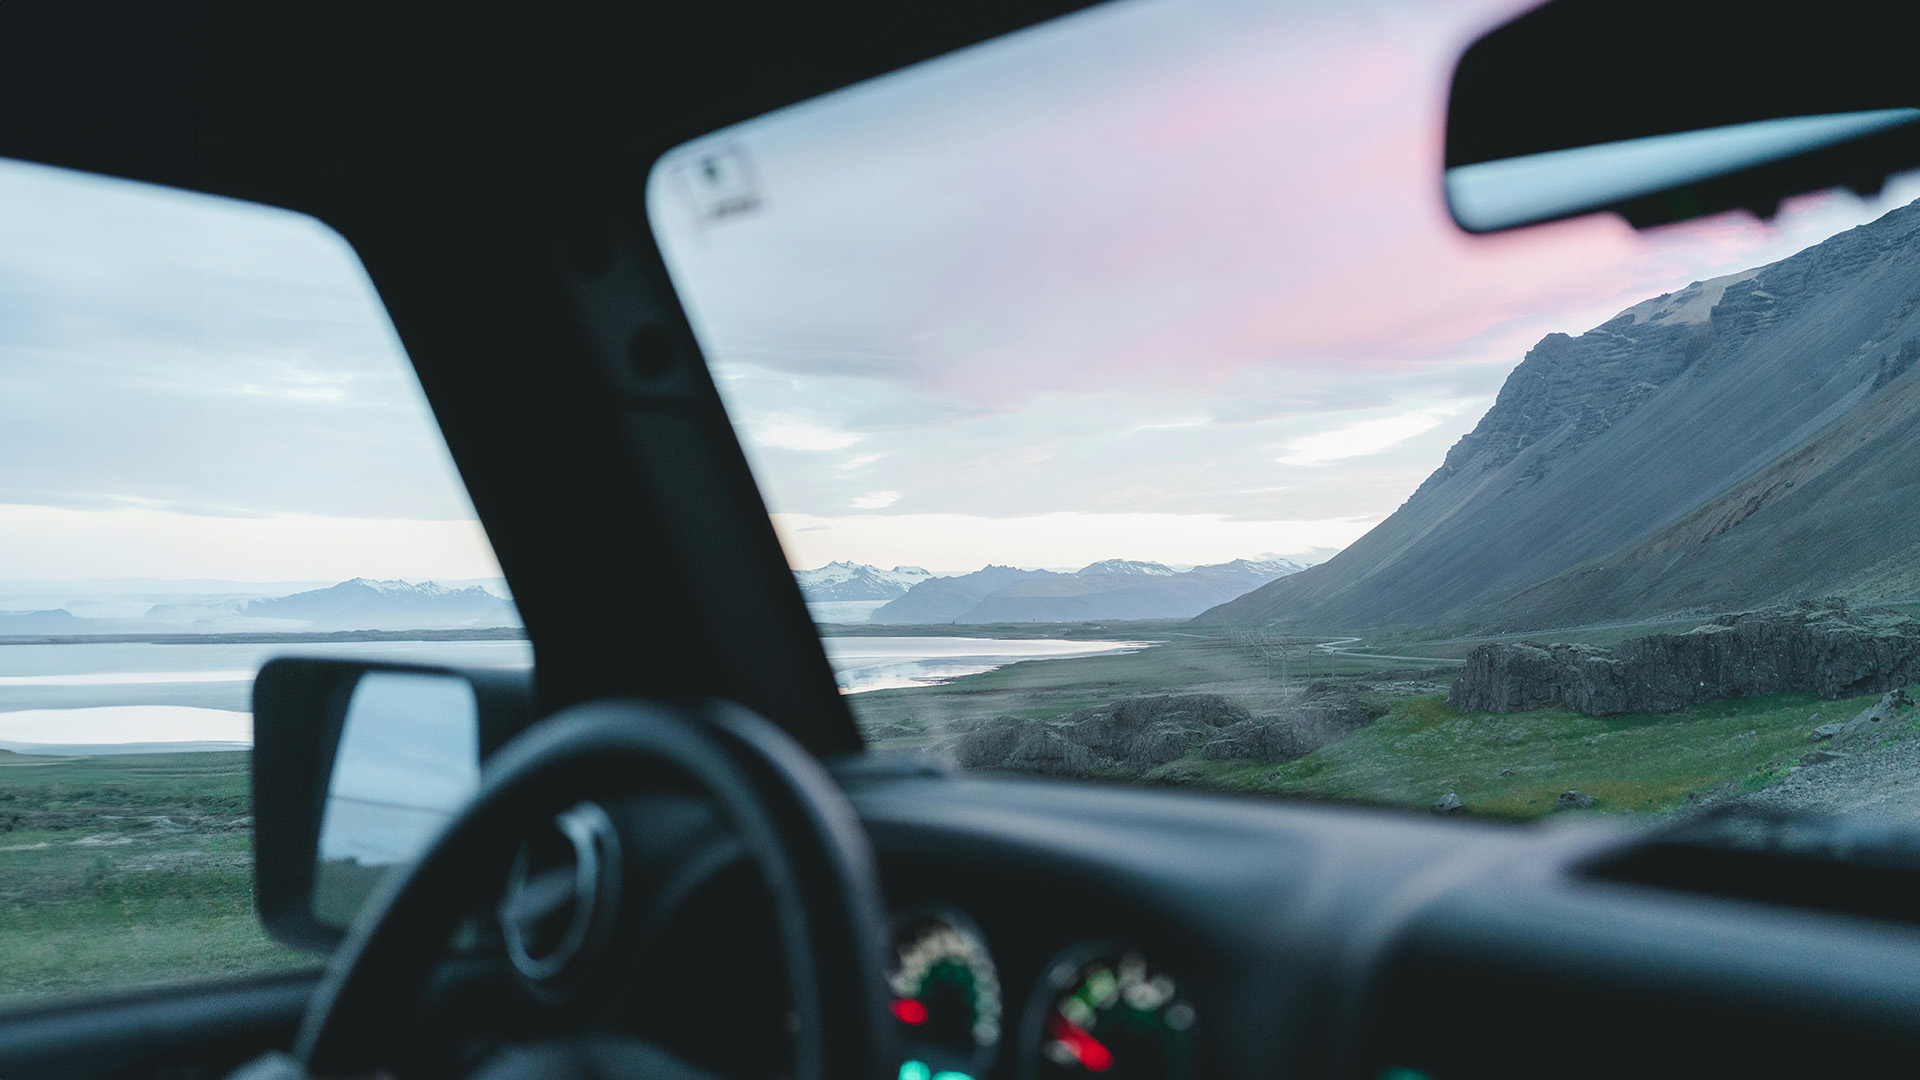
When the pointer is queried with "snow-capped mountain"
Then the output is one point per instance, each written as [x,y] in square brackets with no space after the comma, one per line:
[1110,589]
[857,581]
[1259,571]
[1125,566]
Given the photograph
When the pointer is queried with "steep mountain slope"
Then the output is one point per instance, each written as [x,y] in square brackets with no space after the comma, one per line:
[1106,590]
[1743,440]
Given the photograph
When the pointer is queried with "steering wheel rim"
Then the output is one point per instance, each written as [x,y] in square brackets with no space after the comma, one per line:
[793,820]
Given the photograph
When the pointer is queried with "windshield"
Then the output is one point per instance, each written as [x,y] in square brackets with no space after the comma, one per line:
[1131,410]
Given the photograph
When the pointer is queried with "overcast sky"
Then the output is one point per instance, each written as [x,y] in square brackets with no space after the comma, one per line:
[198,388]
[1164,280]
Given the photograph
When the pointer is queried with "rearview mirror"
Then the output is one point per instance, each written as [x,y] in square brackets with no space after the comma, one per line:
[356,767]
[1663,110]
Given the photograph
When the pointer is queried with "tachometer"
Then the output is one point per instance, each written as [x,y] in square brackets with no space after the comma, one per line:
[1102,1010]
[946,995]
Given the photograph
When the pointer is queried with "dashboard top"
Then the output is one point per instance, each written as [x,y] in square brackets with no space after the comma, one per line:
[1327,940]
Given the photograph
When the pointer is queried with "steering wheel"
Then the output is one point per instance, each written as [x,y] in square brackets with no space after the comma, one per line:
[791,818]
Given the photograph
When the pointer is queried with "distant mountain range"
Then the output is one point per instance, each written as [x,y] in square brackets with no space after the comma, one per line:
[366,604]
[855,581]
[1746,440]
[359,604]
[56,621]
[1109,590]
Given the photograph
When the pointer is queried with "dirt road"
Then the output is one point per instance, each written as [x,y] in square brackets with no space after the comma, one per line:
[1882,782]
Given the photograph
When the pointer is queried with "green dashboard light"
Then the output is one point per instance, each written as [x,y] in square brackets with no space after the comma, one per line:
[1401,1072]
[915,1070]
[950,1075]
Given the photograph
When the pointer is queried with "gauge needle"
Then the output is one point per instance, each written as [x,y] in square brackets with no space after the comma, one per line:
[1095,1056]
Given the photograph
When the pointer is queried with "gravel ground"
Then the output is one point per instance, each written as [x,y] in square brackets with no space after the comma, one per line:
[1883,781]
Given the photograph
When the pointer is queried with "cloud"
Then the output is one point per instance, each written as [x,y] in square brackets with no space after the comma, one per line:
[876,500]
[797,433]
[1364,437]
[855,464]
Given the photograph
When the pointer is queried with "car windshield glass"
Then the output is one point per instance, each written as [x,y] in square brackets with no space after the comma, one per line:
[1131,410]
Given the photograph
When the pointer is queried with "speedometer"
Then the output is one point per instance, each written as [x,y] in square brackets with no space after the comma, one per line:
[1105,1011]
[946,996]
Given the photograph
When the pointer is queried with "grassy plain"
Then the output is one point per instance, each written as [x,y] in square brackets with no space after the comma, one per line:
[1516,765]
[1511,765]
[120,872]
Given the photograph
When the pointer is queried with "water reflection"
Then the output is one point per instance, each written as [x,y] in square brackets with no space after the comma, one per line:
[883,663]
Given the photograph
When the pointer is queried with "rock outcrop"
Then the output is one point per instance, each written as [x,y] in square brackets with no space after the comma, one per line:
[1296,732]
[1132,735]
[1136,735]
[1817,646]
[1868,725]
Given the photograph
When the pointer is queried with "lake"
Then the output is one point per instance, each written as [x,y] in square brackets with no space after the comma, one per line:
[154,697]
[886,663]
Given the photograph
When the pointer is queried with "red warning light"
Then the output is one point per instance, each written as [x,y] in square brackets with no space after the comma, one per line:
[1091,1052]
[910,1011]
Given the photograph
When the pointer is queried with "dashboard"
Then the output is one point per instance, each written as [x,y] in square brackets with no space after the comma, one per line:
[1046,930]
[1156,934]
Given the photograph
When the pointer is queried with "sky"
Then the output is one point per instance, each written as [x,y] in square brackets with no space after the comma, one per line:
[1162,280]
[197,388]
[1167,280]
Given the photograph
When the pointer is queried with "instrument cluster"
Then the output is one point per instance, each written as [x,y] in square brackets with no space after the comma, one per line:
[1099,1009]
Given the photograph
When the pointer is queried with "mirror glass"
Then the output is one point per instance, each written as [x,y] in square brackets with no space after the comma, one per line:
[1493,195]
[409,756]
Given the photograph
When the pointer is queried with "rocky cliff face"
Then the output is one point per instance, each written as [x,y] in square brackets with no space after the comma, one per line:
[1818,647]
[1744,441]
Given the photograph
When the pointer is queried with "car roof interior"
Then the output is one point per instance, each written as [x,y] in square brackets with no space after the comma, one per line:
[488,168]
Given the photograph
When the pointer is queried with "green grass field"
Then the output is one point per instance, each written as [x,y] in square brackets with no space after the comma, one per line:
[1515,765]
[124,872]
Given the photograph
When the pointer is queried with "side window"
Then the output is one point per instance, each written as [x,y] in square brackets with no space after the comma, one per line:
[212,451]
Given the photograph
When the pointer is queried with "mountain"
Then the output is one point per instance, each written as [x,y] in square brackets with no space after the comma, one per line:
[1109,590]
[366,604]
[946,599]
[1746,440]
[856,581]
[55,621]
[1123,566]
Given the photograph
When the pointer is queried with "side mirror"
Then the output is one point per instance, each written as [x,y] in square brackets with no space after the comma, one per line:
[1664,110]
[355,767]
